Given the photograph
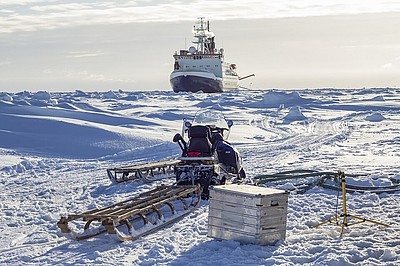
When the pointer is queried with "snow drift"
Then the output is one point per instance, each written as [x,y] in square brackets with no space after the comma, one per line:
[55,147]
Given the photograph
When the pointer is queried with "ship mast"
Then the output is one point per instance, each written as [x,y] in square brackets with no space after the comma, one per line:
[205,38]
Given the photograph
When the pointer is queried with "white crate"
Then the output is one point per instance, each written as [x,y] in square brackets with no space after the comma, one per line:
[248,214]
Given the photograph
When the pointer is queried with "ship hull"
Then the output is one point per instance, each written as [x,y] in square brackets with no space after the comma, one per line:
[191,81]
[195,82]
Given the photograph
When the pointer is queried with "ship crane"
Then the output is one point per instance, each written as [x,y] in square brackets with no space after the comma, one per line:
[248,76]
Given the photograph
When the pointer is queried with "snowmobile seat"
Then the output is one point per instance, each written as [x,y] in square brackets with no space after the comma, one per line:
[215,139]
[199,141]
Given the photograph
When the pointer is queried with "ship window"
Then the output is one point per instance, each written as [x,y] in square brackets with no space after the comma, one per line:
[216,65]
[208,65]
[200,66]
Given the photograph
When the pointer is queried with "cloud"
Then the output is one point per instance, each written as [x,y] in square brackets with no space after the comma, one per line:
[393,65]
[85,75]
[20,2]
[32,15]
[62,7]
[4,63]
[82,54]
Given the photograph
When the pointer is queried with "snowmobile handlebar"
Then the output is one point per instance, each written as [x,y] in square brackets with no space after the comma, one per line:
[182,143]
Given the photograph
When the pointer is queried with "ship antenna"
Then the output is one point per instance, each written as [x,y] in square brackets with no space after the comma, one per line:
[208,25]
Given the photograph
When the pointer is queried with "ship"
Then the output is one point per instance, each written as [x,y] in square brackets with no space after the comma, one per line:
[202,67]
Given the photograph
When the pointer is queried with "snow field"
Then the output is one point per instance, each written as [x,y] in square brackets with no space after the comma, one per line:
[55,148]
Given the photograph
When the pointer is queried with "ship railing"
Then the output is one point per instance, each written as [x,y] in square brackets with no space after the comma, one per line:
[200,56]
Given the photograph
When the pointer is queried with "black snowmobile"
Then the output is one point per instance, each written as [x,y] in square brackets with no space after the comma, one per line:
[207,158]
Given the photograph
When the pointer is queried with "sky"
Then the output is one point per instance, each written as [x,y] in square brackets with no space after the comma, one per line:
[58,45]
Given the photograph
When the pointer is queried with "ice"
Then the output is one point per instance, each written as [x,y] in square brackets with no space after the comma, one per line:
[376,117]
[55,148]
[5,97]
[42,95]
[283,99]
[294,114]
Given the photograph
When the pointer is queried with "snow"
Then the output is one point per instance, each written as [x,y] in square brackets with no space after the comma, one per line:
[294,114]
[55,148]
[42,95]
[375,117]
[282,99]
[5,97]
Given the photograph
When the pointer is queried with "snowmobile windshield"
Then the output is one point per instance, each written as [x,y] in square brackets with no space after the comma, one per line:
[210,118]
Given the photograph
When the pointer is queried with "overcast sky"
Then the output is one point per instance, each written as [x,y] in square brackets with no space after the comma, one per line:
[109,45]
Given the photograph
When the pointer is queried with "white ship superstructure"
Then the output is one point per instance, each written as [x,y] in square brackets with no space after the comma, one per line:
[202,67]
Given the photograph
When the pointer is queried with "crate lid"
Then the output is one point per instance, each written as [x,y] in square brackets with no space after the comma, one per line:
[248,189]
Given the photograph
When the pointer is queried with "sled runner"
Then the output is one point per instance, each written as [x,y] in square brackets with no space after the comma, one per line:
[135,217]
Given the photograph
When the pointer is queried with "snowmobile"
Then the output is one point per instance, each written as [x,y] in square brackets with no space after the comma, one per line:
[207,157]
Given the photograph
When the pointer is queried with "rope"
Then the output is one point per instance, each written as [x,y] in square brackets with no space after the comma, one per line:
[322,178]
